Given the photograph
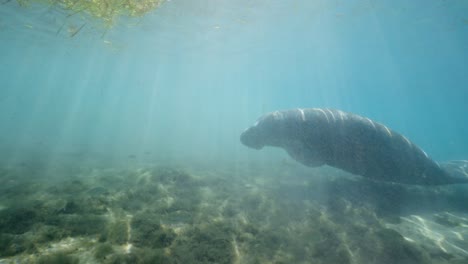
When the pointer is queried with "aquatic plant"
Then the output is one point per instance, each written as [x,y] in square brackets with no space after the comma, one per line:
[69,187]
[47,233]
[122,259]
[104,253]
[147,232]
[11,245]
[210,243]
[395,249]
[17,220]
[58,258]
[329,247]
[80,225]
[179,218]
[167,175]
[105,10]
[350,228]
[103,250]
[70,207]
[151,255]
[447,220]
[117,232]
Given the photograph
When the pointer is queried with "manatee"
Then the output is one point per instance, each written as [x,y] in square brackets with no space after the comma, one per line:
[356,144]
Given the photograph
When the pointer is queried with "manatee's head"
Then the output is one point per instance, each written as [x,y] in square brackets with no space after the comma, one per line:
[270,130]
[299,132]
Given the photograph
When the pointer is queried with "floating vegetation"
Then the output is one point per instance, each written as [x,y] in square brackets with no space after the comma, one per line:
[105,10]
[74,31]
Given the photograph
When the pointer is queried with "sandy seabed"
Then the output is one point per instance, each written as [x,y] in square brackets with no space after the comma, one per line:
[281,213]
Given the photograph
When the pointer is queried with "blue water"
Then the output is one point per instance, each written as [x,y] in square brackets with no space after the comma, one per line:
[121,144]
[184,81]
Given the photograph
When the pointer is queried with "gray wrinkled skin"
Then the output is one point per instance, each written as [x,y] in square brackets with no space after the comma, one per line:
[356,144]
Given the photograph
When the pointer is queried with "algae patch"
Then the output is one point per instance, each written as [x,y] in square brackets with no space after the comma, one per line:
[105,10]
[168,215]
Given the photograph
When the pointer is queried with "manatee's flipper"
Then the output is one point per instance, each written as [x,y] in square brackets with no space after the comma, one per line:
[457,170]
[303,154]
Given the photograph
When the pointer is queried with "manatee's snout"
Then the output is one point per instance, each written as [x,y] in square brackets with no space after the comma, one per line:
[250,138]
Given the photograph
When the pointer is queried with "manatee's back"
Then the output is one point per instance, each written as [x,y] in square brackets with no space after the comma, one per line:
[457,170]
[363,147]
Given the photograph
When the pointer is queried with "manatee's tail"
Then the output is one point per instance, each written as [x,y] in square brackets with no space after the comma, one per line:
[457,170]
